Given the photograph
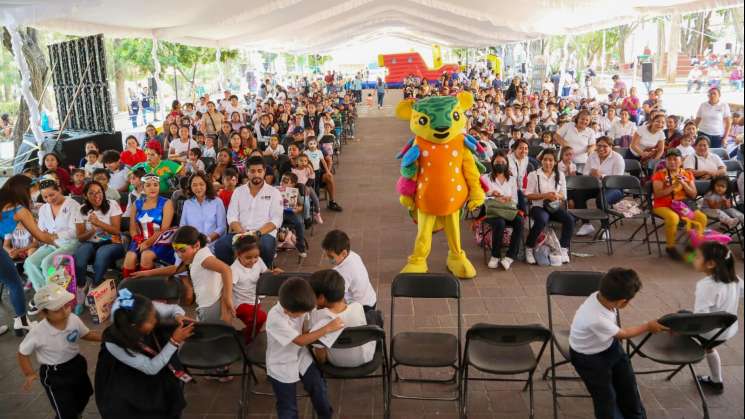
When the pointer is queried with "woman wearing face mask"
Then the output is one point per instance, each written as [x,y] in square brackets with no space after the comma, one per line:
[498,186]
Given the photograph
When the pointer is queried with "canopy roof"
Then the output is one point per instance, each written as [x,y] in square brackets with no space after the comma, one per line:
[321,25]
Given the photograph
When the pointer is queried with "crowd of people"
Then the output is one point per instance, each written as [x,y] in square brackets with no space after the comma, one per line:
[218,188]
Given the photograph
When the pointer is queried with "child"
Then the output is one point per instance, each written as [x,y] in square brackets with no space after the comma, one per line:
[349,264]
[246,270]
[117,172]
[102,176]
[566,165]
[89,145]
[229,183]
[293,214]
[547,140]
[275,149]
[209,147]
[193,162]
[19,244]
[78,182]
[328,286]
[303,169]
[596,351]
[721,290]
[717,203]
[63,372]
[287,358]
[92,162]
[685,146]
[136,185]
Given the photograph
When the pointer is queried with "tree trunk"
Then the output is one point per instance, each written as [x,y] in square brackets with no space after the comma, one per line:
[38,67]
[661,47]
[119,76]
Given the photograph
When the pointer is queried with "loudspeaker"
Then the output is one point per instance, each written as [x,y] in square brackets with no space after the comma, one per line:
[647,72]
[152,86]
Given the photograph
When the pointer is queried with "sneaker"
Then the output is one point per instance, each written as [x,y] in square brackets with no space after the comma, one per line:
[564,255]
[317,218]
[529,258]
[586,230]
[21,325]
[706,381]
[604,235]
[506,262]
[493,263]
[303,254]
[3,329]
[32,310]
[28,286]
[333,206]
[222,379]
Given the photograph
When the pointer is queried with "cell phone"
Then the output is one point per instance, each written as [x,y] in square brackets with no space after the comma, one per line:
[187,322]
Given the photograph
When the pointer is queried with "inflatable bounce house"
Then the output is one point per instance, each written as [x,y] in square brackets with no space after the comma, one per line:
[403,64]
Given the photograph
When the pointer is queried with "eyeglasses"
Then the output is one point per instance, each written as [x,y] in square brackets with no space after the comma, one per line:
[94,193]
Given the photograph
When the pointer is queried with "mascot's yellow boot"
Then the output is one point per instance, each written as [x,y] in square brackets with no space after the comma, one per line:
[417,262]
[457,263]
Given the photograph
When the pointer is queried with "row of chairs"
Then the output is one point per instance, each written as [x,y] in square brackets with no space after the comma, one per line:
[496,350]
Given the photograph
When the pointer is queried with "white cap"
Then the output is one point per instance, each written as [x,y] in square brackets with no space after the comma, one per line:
[52,297]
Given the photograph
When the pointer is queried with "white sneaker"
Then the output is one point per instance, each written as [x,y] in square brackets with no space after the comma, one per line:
[303,254]
[586,229]
[20,328]
[564,255]
[529,258]
[604,235]
[32,310]
[506,262]
[3,329]
[493,263]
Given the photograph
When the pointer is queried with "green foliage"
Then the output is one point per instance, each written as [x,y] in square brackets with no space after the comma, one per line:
[10,107]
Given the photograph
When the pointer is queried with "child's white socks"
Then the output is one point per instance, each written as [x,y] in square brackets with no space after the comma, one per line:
[715,366]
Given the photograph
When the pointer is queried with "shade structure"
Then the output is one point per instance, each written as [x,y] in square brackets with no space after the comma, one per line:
[301,26]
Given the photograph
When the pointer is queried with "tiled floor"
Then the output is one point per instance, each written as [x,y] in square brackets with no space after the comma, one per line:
[382,233]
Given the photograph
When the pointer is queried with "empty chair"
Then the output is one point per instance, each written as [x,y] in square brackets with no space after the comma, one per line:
[631,186]
[426,349]
[583,187]
[502,350]
[734,167]
[155,288]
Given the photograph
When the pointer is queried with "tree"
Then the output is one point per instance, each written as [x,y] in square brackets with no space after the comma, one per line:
[185,59]
[39,70]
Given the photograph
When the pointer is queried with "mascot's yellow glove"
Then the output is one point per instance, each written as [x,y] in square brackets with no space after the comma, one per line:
[407,202]
[474,203]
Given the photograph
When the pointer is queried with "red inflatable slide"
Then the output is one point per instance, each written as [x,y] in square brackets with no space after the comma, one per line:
[403,64]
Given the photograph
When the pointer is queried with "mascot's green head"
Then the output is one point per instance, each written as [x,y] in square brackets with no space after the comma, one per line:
[436,118]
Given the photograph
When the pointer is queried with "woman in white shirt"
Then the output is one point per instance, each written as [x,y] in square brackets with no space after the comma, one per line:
[519,165]
[603,162]
[579,136]
[714,119]
[649,140]
[98,229]
[56,216]
[548,185]
[621,130]
[704,164]
[498,186]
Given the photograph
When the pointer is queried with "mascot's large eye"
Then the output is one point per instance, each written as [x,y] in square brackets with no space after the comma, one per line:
[456,116]
[423,120]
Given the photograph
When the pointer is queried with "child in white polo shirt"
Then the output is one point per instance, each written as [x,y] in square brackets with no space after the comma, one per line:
[63,372]
[349,264]
[287,358]
[596,351]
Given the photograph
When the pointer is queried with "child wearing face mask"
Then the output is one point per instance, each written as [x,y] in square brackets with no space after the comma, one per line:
[358,288]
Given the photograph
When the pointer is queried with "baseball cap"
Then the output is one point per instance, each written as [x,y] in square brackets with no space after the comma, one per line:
[52,297]
[297,130]
[673,152]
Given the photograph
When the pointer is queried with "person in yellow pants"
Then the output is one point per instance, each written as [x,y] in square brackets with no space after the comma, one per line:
[673,183]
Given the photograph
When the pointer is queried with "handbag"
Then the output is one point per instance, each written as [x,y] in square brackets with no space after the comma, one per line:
[497,209]
[550,206]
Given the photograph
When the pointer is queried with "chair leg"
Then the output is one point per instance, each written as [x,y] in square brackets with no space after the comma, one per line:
[464,381]
[670,377]
[530,387]
[553,381]
[700,392]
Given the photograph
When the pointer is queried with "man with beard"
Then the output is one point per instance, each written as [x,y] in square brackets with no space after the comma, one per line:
[255,208]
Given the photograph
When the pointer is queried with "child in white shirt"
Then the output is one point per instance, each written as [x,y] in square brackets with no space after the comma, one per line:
[596,350]
[92,163]
[328,286]
[685,147]
[721,290]
[349,264]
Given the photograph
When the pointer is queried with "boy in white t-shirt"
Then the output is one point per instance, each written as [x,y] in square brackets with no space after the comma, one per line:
[596,350]
[349,264]
[287,358]
[329,286]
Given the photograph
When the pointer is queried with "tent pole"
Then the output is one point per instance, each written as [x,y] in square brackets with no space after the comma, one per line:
[31,102]
[156,75]
[220,75]
[602,57]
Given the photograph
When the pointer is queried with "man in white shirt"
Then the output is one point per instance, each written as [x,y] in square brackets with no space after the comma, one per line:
[255,207]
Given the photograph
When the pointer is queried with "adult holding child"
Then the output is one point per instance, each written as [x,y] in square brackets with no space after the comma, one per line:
[579,136]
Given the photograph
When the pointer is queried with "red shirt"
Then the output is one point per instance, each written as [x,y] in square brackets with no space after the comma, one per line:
[130,159]
[225,196]
[64,178]
[76,190]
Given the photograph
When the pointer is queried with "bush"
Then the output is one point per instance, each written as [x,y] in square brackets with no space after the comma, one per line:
[11,108]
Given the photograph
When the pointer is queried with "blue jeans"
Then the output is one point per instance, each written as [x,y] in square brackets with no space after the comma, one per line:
[298,226]
[715,141]
[10,278]
[541,218]
[380,99]
[315,386]
[104,255]
[133,119]
[267,249]
[497,228]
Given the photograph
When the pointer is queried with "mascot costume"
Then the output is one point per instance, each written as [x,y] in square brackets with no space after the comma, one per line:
[439,173]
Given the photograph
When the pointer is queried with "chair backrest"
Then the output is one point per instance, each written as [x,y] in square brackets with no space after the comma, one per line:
[722,153]
[629,184]
[733,165]
[426,285]
[652,165]
[583,183]
[702,186]
[209,331]
[352,337]
[632,166]
[269,283]
[694,324]
[512,335]
[573,283]
[534,150]
[621,150]
[154,288]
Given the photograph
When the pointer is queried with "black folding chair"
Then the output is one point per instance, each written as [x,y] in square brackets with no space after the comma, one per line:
[426,349]
[685,345]
[159,288]
[567,284]
[633,167]
[734,167]
[631,186]
[589,186]
[354,337]
[211,350]
[502,350]
[702,186]
[722,153]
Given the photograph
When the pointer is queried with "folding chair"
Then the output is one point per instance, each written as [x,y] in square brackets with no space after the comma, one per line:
[353,337]
[622,151]
[534,151]
[734,168]
[633,167]
[155,288]
[567,284]
[702,186]
[590,185]
[502,350]
[631,186]
[722,153]
[213,346]
[426,349]
[684,345]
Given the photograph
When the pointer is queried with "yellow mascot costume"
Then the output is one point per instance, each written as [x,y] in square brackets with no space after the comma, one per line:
[439,173]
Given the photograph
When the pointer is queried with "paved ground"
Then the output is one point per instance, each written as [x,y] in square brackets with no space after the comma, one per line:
[382,234]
